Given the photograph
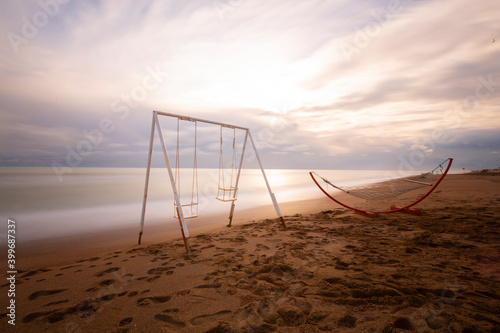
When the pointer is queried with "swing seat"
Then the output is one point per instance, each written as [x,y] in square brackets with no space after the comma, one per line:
[190,211]
[226,194]
[226,191]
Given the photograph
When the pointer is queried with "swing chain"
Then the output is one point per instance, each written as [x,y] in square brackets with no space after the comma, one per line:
[193,206]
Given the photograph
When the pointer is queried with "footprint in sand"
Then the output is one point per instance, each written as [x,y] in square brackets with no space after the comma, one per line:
[68,267]
[106,298]
[37,294]
[154,299]
[85,308]
[172,323]
[57,302]
[31,273]
[35,315]
[89,259]
[106,283]
[151,279]
[56,317]
[160,270]
[102,284]
[208,317]
[262,247]
[125,321]
[210,285]
[107,271]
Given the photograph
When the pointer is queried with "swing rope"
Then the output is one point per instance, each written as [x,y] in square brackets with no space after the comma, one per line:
[221,164]
[225,193]
[177,180]
[233,164]
[194,185]
[193,206]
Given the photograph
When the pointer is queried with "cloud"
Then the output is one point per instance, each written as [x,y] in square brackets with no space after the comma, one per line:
[278,68]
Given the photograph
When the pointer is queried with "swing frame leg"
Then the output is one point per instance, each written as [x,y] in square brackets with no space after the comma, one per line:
[283,221]
[184,238]
[231,214]
[271,194]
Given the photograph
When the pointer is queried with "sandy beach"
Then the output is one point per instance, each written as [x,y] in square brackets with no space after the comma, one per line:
[330,270]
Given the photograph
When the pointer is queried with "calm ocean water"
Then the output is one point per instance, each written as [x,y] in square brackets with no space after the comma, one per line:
[98,199]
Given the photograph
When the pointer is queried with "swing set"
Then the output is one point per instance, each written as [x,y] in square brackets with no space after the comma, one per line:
[227,188]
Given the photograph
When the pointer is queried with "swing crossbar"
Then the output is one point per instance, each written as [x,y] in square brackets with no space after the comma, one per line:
[199,120]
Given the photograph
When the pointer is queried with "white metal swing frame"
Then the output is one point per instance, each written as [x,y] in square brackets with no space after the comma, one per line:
[177,202]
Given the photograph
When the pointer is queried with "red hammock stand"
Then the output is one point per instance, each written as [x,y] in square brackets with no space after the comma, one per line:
[393,209]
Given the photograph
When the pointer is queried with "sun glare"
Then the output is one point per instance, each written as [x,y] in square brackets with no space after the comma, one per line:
[262,83]
[242,75]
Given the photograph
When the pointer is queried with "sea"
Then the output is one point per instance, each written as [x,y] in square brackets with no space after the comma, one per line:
[88,200]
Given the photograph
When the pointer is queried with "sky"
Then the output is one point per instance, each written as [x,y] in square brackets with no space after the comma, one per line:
[358,84]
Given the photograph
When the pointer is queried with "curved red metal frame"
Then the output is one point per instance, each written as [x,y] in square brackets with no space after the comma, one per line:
[393,209]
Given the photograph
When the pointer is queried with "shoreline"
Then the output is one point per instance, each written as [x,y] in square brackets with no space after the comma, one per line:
[60,250]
